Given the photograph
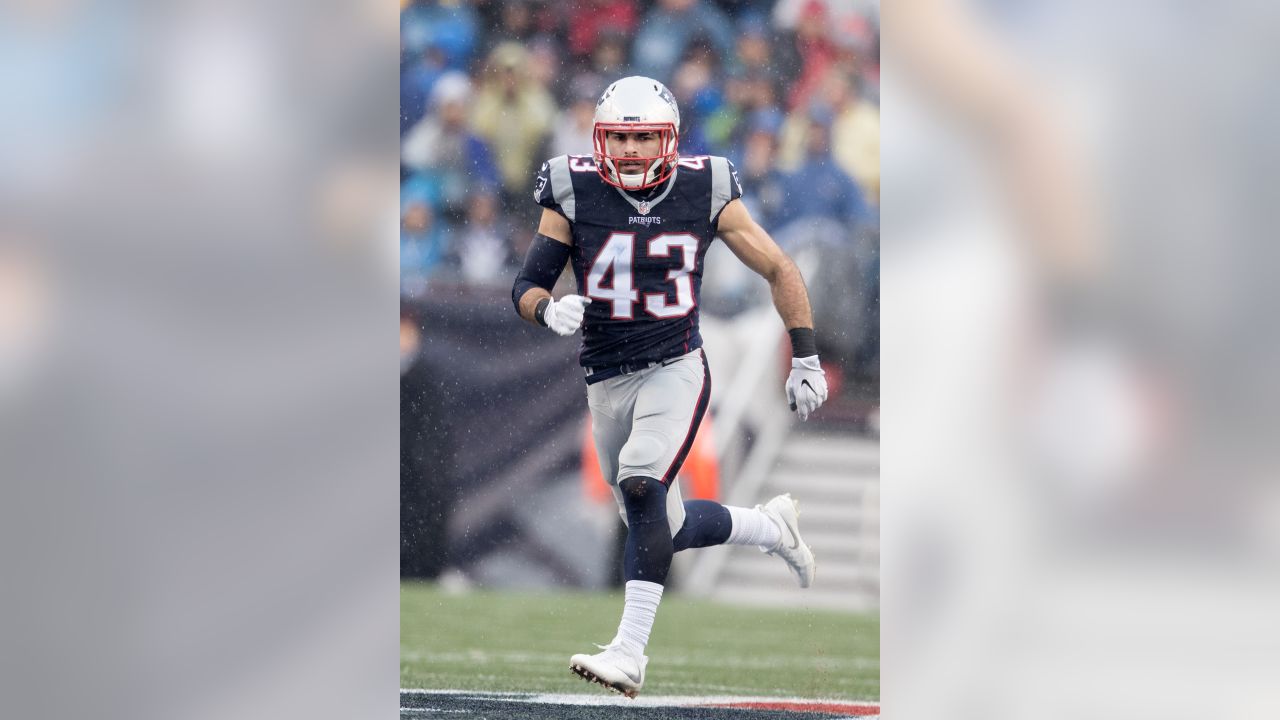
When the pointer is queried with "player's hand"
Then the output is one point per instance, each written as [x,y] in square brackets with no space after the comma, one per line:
[564,316]
[806,386]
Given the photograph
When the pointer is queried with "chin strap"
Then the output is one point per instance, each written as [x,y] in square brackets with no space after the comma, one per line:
[643,178]
[629,181]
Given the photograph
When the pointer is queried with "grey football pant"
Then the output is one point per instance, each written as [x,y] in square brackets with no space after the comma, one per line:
[643,424]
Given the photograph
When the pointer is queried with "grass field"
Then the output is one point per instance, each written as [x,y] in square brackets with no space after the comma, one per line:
[522,642]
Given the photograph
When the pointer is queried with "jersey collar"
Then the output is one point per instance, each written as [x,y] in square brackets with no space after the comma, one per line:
[644,207]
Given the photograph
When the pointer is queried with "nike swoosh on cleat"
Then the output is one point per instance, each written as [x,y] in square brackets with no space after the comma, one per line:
[795,536]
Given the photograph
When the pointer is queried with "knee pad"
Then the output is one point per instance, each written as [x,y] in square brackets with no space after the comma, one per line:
[645,500]
[642,451]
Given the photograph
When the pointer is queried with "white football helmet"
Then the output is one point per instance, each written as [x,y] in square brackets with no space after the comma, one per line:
[637,104]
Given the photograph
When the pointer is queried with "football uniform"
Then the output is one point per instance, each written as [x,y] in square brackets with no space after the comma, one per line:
[639,258]
[640,226]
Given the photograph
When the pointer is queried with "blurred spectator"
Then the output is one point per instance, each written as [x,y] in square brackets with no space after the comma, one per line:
[857,55]
[545,65]
[698,93]
[450,26]
[519,21]
[832,32]
[589,18]
[513,113]
[818,188]
[609,59]
[746,94]
[418,75]
[516,23]
[422,238]
[787,14]
[855,132]
[816,50]
[573,126]
[760,52]
[739,8]
[758,169]
[750,87]
[667,31]
[443,147]
[482,246]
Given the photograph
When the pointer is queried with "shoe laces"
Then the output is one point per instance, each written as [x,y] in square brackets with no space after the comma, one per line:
[616,648]
[783,530]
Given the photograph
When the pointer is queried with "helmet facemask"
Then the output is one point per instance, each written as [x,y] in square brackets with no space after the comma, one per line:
[658,168]
[636,104]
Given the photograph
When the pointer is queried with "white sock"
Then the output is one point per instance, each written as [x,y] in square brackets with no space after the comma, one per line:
[638,614]
[752,527]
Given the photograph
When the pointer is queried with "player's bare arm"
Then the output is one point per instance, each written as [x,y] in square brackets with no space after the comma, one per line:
[806,387]
[758,251]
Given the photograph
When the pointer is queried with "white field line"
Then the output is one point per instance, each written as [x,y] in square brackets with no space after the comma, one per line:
[642,701]
[440,711]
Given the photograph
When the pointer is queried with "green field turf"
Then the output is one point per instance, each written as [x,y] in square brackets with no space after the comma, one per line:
[522,642]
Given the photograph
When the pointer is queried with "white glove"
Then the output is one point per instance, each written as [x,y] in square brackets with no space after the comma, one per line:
[564,316]
[806,386]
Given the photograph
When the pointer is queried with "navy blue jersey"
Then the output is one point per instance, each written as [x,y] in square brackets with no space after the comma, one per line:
[638,256]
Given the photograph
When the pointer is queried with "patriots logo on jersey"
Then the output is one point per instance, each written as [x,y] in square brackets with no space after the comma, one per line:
[542,182]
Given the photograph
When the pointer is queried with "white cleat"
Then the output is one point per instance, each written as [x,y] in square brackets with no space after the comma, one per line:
[614,667]
[785,513]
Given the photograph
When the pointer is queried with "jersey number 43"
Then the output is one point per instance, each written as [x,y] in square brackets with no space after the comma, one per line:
[616,258]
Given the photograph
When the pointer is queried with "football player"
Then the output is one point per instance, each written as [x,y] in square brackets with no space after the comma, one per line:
[635,219]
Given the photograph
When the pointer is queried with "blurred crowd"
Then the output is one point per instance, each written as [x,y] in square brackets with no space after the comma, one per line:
[788,90]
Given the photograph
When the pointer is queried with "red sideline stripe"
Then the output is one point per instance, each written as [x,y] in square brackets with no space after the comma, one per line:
[704,398]
[823,707]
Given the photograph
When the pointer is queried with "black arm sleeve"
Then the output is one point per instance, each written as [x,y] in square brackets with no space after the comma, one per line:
[542,266]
